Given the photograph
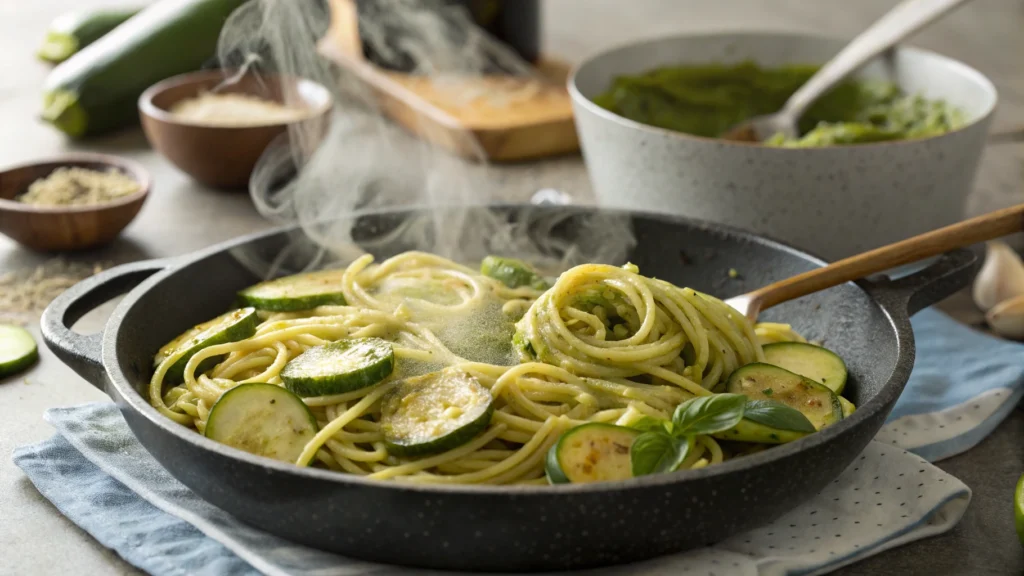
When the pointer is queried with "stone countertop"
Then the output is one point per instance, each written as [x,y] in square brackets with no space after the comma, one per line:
[180,217]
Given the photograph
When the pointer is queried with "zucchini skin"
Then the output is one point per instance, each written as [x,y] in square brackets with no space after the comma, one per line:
[750,431]
[97,90]
[771,371]
[848,407]
[297,379]
[815,362]
[73,31]
[14,365]
[512,272]
[266,295]
[243,328]
[445,443]
[252,431]
[553,467]
[291,304]
[395,413]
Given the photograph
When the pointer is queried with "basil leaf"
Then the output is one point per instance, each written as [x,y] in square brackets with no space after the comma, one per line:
[708,414]
[648,424]
[657,453]
[777,415]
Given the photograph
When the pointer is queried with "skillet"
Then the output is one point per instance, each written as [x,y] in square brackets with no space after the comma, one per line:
[493,528]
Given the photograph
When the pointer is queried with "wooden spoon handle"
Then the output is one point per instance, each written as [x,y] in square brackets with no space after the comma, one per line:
[966,233]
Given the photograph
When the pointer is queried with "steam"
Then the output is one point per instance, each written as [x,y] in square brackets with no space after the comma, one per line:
[335,188]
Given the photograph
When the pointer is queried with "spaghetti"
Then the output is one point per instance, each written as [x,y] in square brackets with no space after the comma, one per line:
[603,344]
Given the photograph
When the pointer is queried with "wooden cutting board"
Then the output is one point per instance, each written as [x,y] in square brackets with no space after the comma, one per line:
[502,118]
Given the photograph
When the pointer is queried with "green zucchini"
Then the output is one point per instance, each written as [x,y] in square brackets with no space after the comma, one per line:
[262,419]
[434,413]
[810,361]
[298,292]
[513,273]
[759,381]
[97,90]
[339,367]
[749,431]
[18,350]
[72,31]
[231,327]
[595,452]
[848,407]
[768,422]
[522,345]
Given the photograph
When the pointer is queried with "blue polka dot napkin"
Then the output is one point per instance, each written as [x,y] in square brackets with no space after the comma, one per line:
[964,383]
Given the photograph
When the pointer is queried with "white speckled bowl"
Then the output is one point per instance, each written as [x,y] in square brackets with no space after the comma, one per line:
[834,201]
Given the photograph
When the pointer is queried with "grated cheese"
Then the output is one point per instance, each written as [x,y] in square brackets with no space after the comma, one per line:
[235,110]
[73,186]
[25,293]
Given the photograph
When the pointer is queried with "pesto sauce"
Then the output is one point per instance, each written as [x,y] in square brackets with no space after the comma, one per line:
[708,100]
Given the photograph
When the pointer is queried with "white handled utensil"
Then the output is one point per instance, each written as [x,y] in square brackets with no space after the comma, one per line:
[906,18]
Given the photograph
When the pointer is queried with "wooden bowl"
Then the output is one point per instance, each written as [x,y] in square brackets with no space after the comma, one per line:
[56,228]
[224,157]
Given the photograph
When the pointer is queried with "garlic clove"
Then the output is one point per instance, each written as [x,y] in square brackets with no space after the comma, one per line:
[1007,318]
[1001,277]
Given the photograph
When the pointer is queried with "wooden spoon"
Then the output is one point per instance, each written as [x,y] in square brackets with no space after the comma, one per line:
[966,233]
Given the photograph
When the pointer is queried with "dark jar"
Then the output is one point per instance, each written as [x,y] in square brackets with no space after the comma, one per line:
[516,23]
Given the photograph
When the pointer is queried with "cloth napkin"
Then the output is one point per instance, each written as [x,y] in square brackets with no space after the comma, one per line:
[964,383]
[962,386]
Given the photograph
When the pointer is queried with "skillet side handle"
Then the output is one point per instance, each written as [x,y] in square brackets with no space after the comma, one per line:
[948,275]
[82,353]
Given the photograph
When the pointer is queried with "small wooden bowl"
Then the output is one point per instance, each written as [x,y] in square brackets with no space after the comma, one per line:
[56,228]
[218,156]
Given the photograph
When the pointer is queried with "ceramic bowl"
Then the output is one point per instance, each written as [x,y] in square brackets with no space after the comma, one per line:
[834,201]
[218,156]
[63,228]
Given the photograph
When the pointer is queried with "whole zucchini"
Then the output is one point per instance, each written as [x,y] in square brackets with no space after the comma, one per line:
[97,90]
[72,31]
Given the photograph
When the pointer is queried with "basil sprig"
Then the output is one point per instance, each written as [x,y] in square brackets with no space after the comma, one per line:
[664,445]
[777,415]
[658,452]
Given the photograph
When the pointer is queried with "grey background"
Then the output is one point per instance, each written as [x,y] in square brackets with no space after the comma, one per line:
[180,217]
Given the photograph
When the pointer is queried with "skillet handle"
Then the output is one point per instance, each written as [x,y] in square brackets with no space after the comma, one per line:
[950,273]
[83,353]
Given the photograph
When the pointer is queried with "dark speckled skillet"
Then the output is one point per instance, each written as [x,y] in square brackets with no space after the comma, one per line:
[509,528]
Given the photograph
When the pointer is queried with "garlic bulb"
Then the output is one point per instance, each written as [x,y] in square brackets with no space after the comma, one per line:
[1007,318]
[1001,277]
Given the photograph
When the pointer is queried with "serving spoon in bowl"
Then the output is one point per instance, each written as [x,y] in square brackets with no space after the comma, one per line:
[899,23]
[978,229]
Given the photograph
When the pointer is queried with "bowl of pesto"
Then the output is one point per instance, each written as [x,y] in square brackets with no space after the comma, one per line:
[888,154]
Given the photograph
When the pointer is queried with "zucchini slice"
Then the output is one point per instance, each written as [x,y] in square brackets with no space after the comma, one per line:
[262,419]
[231,327]
[848,407]
[339,367]
[750,431]
[434,413]
[595,452]
[18,350]
[768,422]
[298,292]
[759,381]
[810,361]
[513,273]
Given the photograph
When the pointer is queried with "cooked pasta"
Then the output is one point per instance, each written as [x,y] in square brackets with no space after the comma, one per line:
[602,344]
